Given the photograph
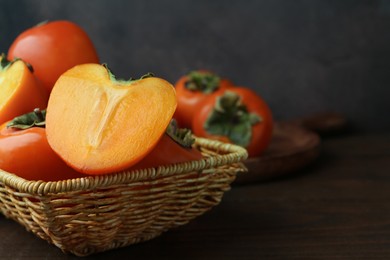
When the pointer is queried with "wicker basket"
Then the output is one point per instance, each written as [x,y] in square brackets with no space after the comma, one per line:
[94,214]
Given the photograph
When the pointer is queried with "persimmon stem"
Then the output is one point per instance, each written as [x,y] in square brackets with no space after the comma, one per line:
[41,23]
[147,75]
[38,113]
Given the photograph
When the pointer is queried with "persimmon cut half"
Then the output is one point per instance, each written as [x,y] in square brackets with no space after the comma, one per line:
[99,125]
[20,91]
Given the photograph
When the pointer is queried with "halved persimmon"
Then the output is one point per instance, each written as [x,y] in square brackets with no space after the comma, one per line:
[20,90]
[98,124]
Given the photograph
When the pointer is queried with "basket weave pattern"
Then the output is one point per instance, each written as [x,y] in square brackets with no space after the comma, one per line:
[94,214]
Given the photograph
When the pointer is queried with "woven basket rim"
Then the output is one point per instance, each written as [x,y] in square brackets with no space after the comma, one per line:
[233,154]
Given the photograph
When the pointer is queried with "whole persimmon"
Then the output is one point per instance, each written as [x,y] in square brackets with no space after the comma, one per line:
[192,89]
[175,146]
[238,115]
[52,48]
[25,152]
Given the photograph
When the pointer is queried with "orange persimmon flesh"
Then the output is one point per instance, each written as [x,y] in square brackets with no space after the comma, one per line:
[20,90]
[99,125]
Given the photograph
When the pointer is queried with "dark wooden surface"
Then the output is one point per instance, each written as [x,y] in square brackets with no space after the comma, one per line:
[336,208]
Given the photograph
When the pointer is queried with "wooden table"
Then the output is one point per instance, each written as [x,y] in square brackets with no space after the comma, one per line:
[336,208]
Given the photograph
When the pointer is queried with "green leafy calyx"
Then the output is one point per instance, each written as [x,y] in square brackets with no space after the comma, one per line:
[205,82]
[32,119]
[123,81]
[182,136]
[5,63]
[232,119]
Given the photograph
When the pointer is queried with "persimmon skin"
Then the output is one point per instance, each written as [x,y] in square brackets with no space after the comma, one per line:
[99,125]
[52,48]
[188,101]
[27,154]
[21,91]
[166,152]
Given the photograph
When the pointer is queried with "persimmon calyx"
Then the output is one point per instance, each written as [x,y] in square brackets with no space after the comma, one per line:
[5,63]
[123,81]
[205,82]
[182,136]
[231,118]
[32,119]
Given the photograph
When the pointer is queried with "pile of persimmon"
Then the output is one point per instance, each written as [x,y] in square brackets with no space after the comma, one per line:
[64,115]
[215,108]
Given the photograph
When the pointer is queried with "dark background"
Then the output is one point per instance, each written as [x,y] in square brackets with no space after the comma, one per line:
[302,56]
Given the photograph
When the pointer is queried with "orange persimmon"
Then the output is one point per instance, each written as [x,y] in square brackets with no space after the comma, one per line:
[98,124]
[52,48]
[175,146]
[193,89]
[238,116]
[20,90]
[24,150]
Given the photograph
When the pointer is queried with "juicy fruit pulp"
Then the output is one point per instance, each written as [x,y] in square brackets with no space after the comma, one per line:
[100,125]
[20,91]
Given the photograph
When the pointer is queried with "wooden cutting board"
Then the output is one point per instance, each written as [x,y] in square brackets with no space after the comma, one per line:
[294,145]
